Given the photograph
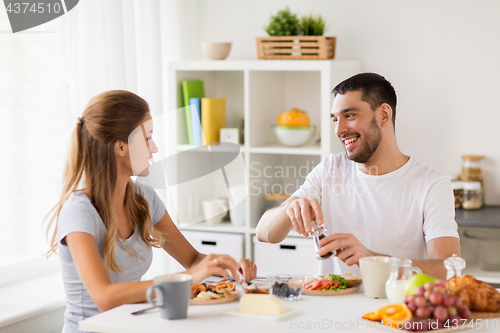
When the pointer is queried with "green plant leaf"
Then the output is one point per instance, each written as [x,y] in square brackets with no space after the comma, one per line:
[284,23]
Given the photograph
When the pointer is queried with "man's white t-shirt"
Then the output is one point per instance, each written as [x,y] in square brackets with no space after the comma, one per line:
[394,214]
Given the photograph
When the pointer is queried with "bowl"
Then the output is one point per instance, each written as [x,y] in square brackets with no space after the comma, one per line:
[215,50]
[257,287]
[294,136]
[286,287]
[485,244]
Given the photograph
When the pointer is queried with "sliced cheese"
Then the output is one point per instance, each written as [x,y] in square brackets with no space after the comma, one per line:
[261,304]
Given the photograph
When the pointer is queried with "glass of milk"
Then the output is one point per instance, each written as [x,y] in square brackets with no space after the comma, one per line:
[401,271]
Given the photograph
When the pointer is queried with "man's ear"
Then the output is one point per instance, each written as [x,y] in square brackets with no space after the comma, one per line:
[385,114]
[121,148]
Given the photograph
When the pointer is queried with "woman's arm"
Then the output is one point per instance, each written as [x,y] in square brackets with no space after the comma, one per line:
[198,264]
[95,278]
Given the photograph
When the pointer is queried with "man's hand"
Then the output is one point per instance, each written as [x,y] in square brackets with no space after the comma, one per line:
[351,249]
[302,212]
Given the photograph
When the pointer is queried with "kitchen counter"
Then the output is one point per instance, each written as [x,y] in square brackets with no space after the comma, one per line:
[315,314]
[488,216]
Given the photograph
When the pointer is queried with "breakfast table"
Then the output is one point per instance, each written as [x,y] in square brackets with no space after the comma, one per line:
[313,314]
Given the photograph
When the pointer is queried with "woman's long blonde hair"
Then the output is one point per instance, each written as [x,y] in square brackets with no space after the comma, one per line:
[108,118]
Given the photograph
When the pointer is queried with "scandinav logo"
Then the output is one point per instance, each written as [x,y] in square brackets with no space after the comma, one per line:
[26,14]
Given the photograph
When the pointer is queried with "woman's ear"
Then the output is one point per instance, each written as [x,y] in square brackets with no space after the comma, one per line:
[121,148]
[385,114]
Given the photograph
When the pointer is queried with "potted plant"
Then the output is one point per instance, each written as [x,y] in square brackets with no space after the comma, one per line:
[294,38]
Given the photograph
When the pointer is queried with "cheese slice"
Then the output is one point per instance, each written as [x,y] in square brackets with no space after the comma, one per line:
[261,304]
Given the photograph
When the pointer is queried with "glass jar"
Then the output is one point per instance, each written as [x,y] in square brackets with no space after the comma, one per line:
[318,233]
[472,196]
[472,169]
[454,266]
[458,192]
[401,272]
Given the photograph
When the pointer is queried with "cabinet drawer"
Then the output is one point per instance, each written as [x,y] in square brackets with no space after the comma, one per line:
[219,243]
[291,256]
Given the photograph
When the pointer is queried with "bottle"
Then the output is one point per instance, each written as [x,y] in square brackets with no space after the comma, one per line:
[472,198]
[318,233]
[455,266]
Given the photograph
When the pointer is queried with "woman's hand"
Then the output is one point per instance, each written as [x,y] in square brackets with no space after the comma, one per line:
[214,264]
[248,268]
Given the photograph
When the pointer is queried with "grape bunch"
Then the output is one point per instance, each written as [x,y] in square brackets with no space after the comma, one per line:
[431,303]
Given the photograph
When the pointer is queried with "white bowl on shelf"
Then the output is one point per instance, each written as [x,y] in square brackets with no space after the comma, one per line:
[216,50]
[294,136]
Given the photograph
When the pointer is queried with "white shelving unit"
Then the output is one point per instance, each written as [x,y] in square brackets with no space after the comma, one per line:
[257,91]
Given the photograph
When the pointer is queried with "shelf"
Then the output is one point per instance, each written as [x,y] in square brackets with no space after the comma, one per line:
[212,147]
[256,91]
[280,149]
[265,65]
[222,227]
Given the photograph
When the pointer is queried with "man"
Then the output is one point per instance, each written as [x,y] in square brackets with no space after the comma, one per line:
[373,200]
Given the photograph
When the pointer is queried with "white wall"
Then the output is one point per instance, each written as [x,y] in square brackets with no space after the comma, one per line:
[442,56]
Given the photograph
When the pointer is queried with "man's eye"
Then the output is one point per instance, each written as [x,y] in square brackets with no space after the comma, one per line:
[149,137]
[334,120]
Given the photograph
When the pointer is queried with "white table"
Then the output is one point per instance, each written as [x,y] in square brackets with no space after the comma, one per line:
[317,314]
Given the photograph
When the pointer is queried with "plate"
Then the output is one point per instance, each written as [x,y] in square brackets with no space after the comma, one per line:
[285,315]
[195,301]
[351,290]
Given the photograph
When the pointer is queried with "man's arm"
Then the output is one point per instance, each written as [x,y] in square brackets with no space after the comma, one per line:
[297,213]
[274,225]
[438,249]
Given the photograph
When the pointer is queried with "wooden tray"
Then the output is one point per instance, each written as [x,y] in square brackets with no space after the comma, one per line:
[351,290]
[296,47]
[195,301]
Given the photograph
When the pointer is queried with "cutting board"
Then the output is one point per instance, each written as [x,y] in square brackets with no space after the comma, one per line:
[492,319]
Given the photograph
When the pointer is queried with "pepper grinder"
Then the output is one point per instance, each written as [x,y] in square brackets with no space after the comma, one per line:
[455,265]
[318,233]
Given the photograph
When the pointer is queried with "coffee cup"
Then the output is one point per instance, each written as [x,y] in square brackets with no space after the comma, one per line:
[214,210]
[172,295]
[375,271]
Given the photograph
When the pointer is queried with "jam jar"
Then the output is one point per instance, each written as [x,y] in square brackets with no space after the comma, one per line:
[472,196]
[472,170]
[458,192]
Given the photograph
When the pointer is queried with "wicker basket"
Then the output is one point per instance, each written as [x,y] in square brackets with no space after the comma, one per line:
[296,47]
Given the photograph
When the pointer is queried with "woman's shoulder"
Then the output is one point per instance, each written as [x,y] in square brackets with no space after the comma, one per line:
[78,204]
[145,190]
[77,215]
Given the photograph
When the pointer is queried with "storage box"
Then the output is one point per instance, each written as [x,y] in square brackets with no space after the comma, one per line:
[215,242]
[296,47]
[291,256]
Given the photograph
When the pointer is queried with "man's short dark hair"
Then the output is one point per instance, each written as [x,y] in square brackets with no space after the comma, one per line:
[375,90]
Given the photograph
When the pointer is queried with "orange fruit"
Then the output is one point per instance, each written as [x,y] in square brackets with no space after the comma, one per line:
[395,314]
[294,117]
[373,316]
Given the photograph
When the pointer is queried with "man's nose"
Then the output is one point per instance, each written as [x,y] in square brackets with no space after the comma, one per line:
[340,128]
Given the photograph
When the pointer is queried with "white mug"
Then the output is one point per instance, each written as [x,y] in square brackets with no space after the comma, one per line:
[214,210]
[375,271]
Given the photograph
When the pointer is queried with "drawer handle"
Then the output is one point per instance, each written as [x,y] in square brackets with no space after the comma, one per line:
[287,247]
[212,243]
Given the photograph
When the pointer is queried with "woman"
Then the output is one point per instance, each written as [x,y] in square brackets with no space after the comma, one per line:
[107,224]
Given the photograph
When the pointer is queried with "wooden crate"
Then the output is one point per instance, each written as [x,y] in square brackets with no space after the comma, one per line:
[296,47]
